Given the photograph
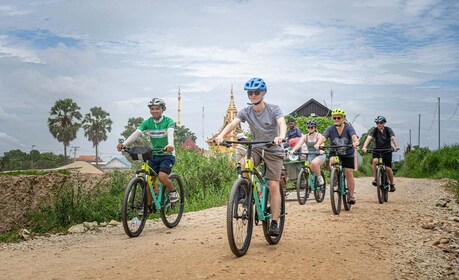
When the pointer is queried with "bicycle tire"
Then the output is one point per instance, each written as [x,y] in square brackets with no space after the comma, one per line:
[335,191]
[319,192]
[386,188]
[302,187]
[239,217]
[380,184]
[134,210]
[272,240]
[347,205]
[171,213]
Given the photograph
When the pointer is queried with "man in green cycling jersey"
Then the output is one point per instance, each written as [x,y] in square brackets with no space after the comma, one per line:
[383,135]
[267,123]
[161,131]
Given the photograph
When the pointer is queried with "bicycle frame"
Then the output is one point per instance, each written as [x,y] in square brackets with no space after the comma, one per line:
[256,181]
[149,173]
[342,183]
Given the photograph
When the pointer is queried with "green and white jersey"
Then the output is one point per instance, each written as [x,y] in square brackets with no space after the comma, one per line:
[157,131]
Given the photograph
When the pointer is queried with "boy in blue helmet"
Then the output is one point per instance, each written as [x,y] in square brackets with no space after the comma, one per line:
[383,135]
[267,123]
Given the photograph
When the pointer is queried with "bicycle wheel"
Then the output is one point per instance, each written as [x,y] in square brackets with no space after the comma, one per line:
[267,222]
[386,188]
[319,192]
[347,205]
[335,191]
[239,217]
[302,187]
[171,213]
[380,184]
[134,210]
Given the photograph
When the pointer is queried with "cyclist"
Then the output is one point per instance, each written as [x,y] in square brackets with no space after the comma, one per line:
[342,133]
[383,135]
[267,123]
[311,139]
[161,131]
[293,131]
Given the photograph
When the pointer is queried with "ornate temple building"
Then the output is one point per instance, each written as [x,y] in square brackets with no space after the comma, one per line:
[231,113]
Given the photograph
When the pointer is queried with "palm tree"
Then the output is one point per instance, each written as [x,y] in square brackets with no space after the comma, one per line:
[96,125]
[64,122]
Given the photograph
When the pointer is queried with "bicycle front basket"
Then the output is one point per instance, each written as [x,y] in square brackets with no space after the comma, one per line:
[141,153]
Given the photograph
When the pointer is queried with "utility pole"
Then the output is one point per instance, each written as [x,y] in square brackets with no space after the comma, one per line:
[419,132]
[439,122]
[331,96]
[74,148]
[31,153]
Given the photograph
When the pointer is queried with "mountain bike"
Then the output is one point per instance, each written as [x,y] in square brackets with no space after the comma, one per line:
[143,195]
[338,188]
[307,182]
[382,184]
[250,192]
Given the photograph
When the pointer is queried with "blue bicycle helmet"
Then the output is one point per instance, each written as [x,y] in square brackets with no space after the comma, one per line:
[380,119]
[254,84]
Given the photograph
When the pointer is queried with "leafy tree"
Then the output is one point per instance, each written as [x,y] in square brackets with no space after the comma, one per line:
[96,125]
[64,121]
[181,133]
[16,160]
[132,125]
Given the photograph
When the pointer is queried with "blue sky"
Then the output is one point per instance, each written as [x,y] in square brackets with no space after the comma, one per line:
[381,57]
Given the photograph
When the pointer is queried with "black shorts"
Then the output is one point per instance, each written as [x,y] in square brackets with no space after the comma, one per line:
[346,162]
[387,158]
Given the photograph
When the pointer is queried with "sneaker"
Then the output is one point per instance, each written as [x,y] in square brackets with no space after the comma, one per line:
[173,196]
[352,200]
[392,188]
[321,180]
[273,229]
[374,183]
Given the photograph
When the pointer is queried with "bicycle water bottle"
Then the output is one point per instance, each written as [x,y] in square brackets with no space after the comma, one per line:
[259,191]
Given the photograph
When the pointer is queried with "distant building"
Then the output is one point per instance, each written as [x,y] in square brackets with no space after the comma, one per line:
[311,108]
[90,159]
[231,113]
[190,144]
[116,163]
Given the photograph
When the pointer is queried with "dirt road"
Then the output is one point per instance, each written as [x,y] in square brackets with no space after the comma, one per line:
[413,236]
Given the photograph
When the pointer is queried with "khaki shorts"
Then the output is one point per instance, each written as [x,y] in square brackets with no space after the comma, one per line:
[274,163]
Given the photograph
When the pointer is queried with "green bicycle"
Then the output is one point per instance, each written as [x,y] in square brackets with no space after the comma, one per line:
[338,188]
[307,182]
[250,191]
[143,188]
[382,184]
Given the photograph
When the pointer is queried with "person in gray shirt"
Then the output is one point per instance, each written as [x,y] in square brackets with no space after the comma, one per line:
[267,123]
[342,133]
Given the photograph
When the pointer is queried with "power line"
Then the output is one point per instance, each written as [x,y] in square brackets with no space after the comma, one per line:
[457,105]
[433,119]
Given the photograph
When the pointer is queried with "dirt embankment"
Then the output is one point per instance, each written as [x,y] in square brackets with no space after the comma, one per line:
[20,194]
[413,236]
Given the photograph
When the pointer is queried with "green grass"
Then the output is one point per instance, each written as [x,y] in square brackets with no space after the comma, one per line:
[207,180]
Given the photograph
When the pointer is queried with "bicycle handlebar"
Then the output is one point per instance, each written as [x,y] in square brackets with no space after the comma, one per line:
[227,143]
[386,150]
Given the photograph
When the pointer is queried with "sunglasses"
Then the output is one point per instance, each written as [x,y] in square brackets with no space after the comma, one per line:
[379,122]
[336,118]
[310,127]
[251,92]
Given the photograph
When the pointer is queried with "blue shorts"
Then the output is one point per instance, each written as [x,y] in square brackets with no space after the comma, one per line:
[312,157]
[162,163]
